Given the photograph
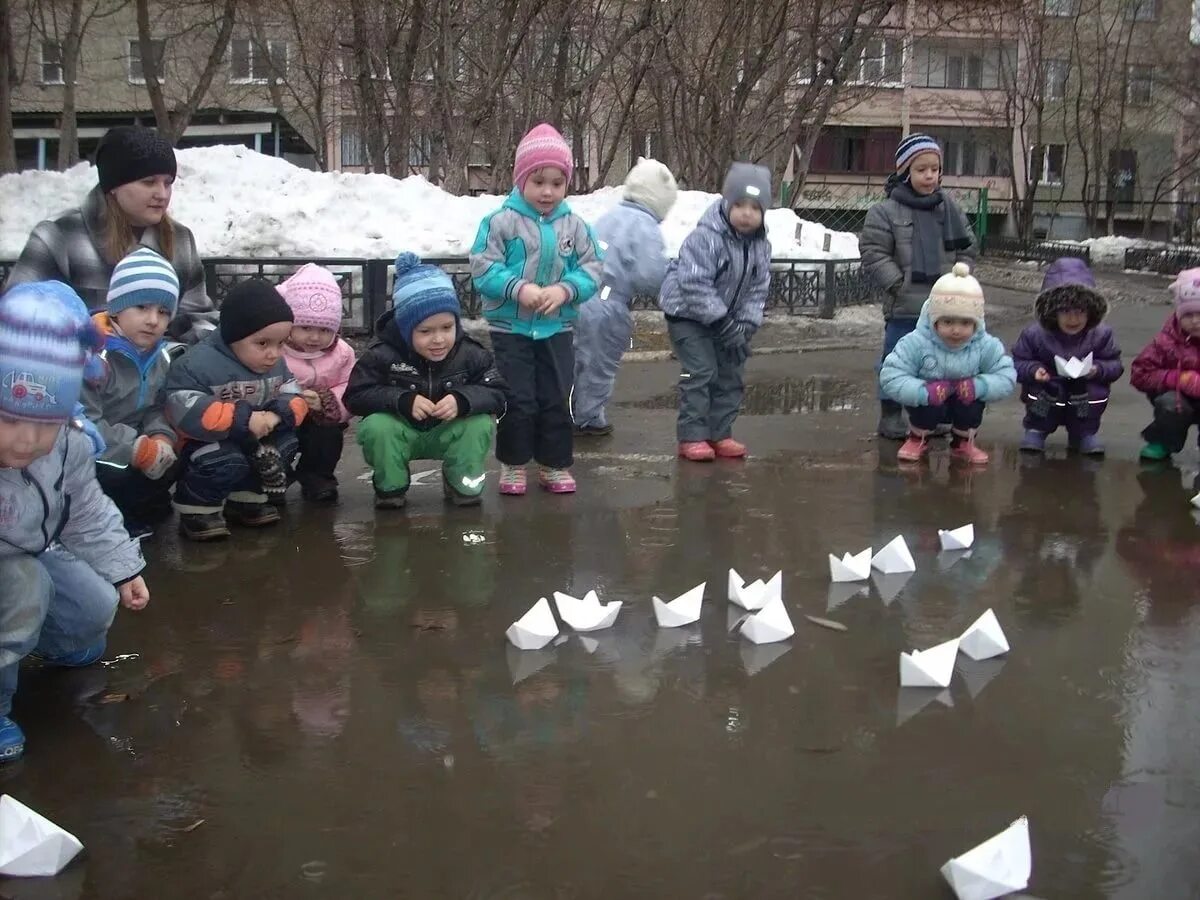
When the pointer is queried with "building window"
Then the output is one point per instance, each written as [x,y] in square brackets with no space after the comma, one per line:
[863,151]
[248,63]
[420,150]
[882,62]
[960,66]
[1141,10]
[1139,84]
[644,143]
[1055,85]
[959,158]
[1061,7]
[352,145]
[137,68]
[52,62]
[1046,163]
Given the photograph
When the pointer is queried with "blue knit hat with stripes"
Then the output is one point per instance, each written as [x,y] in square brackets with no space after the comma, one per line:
[420,291]
[912,147]
[143,278]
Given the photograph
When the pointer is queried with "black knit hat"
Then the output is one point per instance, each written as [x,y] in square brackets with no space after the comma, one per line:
[250,306]
[130,153]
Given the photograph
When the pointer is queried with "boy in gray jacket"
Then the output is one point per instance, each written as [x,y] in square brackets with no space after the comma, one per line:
[65,559]
[909,240]
[713,297]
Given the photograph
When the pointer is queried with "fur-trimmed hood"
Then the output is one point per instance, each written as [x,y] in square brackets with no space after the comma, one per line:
[1069,284]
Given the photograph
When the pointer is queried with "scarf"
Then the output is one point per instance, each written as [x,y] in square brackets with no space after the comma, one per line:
[930,235]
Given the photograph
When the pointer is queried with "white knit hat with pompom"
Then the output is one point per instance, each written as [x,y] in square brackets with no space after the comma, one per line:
[957,296]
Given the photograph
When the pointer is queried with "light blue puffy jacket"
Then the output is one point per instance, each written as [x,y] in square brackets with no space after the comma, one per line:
[922,356]
[635,259]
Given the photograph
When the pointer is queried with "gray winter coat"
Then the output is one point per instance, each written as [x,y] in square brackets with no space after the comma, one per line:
[57,499]
[718,273]
[886,247]
[635,259]
[128,402]
[68,249]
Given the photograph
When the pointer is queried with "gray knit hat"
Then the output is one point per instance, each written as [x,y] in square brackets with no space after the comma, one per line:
[746,181]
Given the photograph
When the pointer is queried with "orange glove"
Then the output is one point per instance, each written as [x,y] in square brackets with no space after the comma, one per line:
[153,455]
[1189,383]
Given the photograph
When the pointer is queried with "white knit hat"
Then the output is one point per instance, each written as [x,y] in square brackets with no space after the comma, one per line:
[957,295]
[651,184]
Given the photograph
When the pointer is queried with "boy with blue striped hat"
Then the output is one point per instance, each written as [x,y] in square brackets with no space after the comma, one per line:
[909,240]
[126,404]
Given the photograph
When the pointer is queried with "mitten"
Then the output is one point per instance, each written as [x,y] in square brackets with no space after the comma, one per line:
[268,465]
[1189,383]
[733,340]
[1041,405]
[965,390]
[153,455]
[331,410]
[1078,404]
[939,392]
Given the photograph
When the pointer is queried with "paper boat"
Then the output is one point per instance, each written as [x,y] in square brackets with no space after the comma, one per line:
[929,668]
[984,639]
[758,593]
[894,558]
[535,629]
[890,586]
[587,614]
[683,610]
[1073,367]
[840,593]
[756,657]
[30,844]
[851,567]
[524,663]
[910,701]
[1196,501]
[736,583]
[769,624]
[1000,865]
[957,538]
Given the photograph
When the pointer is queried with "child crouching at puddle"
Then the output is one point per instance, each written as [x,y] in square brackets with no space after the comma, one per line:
[948,369]
[65,558]
[426,391]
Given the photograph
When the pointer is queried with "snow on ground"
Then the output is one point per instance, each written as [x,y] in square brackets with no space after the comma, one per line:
[1109,252]
[241,203]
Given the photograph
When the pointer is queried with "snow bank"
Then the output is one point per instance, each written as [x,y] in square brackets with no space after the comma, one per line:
[241,203]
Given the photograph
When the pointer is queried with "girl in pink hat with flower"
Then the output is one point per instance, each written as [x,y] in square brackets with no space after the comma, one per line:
[321,362]
[534,261]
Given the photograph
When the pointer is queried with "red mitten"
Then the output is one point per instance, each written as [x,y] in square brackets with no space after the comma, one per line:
[965,390]
[939,392]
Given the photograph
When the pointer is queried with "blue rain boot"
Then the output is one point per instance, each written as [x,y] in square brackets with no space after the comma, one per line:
[12,740]
[1034,441]
[1090,445]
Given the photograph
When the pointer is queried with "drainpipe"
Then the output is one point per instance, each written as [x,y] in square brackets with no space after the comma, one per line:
[41,163]
[906,70]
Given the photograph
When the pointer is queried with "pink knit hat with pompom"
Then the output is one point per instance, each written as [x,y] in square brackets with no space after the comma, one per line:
[315,297]
[542,147]
[1186,290]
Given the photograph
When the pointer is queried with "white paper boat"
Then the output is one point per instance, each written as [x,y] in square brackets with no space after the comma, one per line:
[736,582]
[758,593]
[929,668]
[535,629]
[1073,367]
[894,558]
[1000,865]
[1196,501]
[957,538]
[910,701]
[30,844]
[524,663]
[984,639]
[890,586]
[756,657]
[851,567]
[840,593]
[769,624]
[588,613]
[683,610]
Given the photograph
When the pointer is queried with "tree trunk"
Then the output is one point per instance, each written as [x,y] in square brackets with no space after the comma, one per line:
[158,103]
[402,79]
[68,136]
[8,144]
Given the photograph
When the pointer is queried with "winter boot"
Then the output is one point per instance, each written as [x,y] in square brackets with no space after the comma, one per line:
[891,421]
[318,488]
[915,448]
[697,451]
[391,499]
[593,430]
[203,526]
[1033,441]
[556,481]
[250,515]
[1155,452]
[728,448]
[962,447]
[512,480]
[455,497]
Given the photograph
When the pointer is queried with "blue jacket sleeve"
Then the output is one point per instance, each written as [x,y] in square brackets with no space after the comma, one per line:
[997,376]
[489,270]
[898,378]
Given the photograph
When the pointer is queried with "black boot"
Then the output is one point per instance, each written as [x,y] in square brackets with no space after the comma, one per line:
[891,421]
[318,488]
[456,498]
[391,499]
[251,515]
[203,527]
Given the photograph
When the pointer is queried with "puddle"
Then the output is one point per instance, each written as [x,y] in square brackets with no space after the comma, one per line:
[786,396]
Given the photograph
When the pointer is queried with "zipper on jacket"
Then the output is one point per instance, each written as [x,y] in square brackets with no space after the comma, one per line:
[737,292]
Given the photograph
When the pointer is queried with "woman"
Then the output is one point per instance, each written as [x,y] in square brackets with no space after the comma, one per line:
[127,208]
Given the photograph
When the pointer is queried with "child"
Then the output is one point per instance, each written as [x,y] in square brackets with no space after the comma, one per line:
[137,467]
[910,239]
[233,400]
[534,262]
[1070,313]
[948,369]
[427,391]
[1167,371]
[65,560]
[635,262]
[321,362]
[713,297]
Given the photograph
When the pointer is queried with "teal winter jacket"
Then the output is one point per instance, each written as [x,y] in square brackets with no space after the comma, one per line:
[922,356]
[516,246]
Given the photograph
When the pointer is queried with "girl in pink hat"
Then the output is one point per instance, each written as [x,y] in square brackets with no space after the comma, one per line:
[321,362]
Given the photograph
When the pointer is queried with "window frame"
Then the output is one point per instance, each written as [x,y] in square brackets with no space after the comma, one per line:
[1045,178]
[351,129]
[42,63]
[1134,10]
[1060,9]
[1052,66]
[252,56]
[895,42]
[1148,77]
[135,43]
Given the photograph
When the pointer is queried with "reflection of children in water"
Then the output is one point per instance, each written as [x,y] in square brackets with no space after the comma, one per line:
[1160,546]
[542,711]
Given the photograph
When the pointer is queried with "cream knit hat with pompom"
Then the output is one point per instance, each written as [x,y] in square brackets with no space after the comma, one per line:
[957,295]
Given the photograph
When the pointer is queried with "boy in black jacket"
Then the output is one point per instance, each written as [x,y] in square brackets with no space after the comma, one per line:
[425,390]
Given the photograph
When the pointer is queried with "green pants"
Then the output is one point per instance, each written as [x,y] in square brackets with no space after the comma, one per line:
[391,442]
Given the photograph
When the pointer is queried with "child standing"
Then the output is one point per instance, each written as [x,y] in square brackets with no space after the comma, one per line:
[1167,371]
[635,262]
[321,362]
[427,391]
[909,240]
[534,262]
[137,467]
[65,560]
[1070,313]
[713,297]
[948,369]
[233,400]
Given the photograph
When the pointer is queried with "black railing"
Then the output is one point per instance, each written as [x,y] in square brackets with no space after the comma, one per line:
[798,286]
[1165,262]
[1041,251]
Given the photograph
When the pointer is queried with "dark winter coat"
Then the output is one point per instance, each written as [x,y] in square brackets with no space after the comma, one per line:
[70,249]
[1157,368]
[390,375]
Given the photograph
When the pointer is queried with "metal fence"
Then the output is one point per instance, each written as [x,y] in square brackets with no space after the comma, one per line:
[843,207]
[1163,261]
[798,286]
[1040,251]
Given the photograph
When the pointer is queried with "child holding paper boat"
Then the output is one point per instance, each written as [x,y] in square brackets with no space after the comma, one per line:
[1067,360]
